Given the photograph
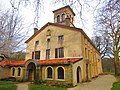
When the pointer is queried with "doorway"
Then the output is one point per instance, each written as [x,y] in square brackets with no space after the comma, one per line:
[78,74]
[31,71]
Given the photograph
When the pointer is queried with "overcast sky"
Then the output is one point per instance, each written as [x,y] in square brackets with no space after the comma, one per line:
[47,16]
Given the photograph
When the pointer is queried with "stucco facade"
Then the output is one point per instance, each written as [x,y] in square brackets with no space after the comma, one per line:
[71,43]
[59,52]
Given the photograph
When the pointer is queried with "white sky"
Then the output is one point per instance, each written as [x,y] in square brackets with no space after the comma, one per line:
[47,16]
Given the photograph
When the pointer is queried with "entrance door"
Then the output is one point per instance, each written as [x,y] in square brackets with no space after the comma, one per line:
[78,74]
[31,72]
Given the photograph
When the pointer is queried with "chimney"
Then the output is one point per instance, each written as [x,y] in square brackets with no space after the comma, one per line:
[67,21]
[35,30]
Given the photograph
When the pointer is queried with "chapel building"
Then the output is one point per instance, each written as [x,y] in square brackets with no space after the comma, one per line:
[58,52]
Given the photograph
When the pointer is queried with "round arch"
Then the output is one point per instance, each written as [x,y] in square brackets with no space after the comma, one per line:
[49,73]
[63,17]
[19,71]
[31,68]
[60,72]
[13,71]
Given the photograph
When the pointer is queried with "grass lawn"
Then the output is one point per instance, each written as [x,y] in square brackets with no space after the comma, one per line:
[7,85]
[116,85]
[37,87]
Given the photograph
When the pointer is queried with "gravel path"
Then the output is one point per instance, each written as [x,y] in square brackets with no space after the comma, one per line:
[103,82]
[22,86]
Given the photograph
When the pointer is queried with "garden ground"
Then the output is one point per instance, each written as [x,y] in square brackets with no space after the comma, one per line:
[103,82]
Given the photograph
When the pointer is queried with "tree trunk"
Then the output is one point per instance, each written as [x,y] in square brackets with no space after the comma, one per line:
[116,63]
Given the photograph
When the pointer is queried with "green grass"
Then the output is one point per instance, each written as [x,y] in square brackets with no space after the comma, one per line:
[38,87]
[116,85]
[6,85]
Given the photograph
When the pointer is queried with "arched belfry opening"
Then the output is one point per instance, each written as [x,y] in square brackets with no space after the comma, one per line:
[31,71]
[78,74]
[64,16]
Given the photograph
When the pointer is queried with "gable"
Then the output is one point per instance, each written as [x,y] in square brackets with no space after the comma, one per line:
[52,24]
[74,29]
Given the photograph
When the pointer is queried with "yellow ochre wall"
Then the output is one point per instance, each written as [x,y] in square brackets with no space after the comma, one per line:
[71,43]
[68,14]
[74,44]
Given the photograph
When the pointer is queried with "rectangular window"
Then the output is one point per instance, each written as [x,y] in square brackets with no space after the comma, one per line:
[85,52]
[88,54]
[56,52]
[60,38]
[32,55]
[37,54]
[48,54]
[59,52]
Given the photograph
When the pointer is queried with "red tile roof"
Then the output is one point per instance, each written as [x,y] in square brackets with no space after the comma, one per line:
[59,61]
[11,62]
[41,62]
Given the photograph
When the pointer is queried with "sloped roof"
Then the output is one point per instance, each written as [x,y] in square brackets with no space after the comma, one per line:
[41,62]
[62,26]
[64,8]
[53,24]
[59,61]
[12,62]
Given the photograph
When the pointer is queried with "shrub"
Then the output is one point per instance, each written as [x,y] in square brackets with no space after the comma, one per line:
[40,82]
[43,82]
[9,79]
[64,85]
[36,82]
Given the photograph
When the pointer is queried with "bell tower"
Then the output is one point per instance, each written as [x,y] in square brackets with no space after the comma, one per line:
[64,16]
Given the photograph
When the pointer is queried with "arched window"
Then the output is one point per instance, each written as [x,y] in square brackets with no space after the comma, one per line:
[19,71]
[48,33]
[60,73]
[13,71]
[58,18]
[49,72]
[63,17]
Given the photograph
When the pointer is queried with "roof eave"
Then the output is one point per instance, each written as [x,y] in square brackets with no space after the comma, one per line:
[63,8]
[37,32]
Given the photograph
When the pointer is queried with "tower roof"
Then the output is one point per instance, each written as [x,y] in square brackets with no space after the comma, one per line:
[64,8]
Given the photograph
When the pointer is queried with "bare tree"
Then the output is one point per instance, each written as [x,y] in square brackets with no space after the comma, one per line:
[108,21]
[108,18]
[36,4]
[11,34]
[103,43]
[81,6]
